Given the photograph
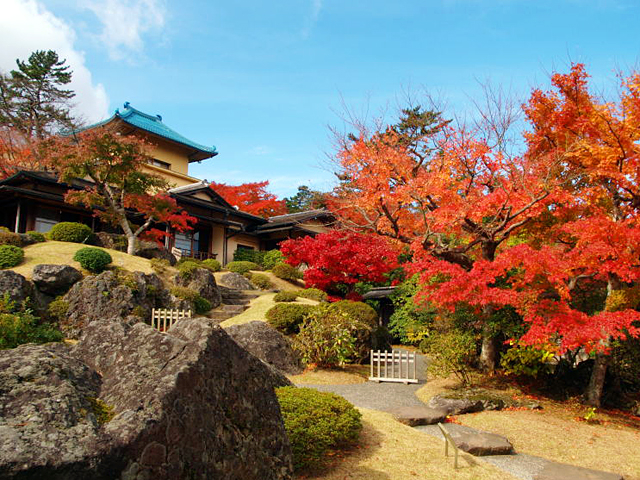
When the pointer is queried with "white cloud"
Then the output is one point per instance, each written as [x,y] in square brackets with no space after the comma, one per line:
[26,26]
[124,22]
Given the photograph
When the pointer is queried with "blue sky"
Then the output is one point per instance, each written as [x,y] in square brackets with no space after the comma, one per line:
[263,80]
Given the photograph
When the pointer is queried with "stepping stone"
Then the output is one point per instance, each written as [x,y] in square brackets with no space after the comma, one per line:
[418,415]
[455,406]
[562,471]
[478,443]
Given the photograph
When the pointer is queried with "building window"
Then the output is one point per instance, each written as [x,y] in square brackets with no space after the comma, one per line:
[46,219]
[159,163]
[188,241]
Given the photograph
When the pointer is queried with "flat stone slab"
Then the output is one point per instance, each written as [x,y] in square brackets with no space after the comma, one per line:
[417,415]
[478,443]
[562,471]
[455,406]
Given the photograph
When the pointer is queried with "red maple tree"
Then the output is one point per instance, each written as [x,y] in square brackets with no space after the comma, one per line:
[337,260]
[251,197]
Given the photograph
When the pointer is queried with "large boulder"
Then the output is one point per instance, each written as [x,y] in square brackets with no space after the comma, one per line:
[455,406]
[237,281]
[267,344]
[15,286]
[153,250]
[204,283]
[109,295]
[135,403]
[55,279]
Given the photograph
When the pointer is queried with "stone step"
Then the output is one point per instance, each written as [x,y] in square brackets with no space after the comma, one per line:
[220,315]
[234,308]
[236,301]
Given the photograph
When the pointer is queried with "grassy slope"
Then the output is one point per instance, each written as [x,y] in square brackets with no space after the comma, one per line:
[258,309]
[61,253]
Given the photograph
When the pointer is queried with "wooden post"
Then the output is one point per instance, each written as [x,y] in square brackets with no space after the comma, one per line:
[18,209]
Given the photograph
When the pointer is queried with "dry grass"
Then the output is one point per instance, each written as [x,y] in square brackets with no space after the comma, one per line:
[349,374]
[61,253]
[258,308]
[389,450]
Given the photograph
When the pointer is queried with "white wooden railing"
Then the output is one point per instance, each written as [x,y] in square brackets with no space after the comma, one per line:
[164,318]
[394,366]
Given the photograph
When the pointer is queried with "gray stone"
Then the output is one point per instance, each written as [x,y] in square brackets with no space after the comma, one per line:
[26,240]
[267,344]
[204,283]
[415,416]
[153,250]
[187,404]
[561,471]
[15,286]
[235,280]
[455,406]
[55,279]
[478,443]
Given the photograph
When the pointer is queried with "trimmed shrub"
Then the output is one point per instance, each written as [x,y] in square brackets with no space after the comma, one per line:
[187,259]
[286,296]
[314,294]
[37,237]
[184,293]
[287,317]
[317,422]
[58,308]
[212,264]
[187,269]
[451,352]
[159,265]
[246,255]
[272,258]
[358,311]
[10,256]
[242,267]
[286,272]
[93,259]
[9,238]
[201,305]
[330,337]
[261,281]
[71,232]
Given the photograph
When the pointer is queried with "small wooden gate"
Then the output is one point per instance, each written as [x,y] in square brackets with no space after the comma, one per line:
[394,366]
[164,318]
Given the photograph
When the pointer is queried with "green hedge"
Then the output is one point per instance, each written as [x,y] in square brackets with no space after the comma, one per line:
[212,264]
[246,255]
[9,238]
[261,281]
[10,256]
[272,258]
[358,311]
[242,267]
[93,259]
[286,272]
[314,294]
[71,232]
[317,422]
[287,317]
[36,236]
[187,269]
[286,296]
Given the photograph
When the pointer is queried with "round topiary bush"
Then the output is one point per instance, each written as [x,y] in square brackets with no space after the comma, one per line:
[314,294]
[9,238]
[201,305]
[242,267]
[286,272]
[212,264]
[358,311]
[287,317]
[261,281]
[36,236]
[187,269]
[93,259]
[272,258]
[286,296]
[10,256]
[71,232]
[317,422]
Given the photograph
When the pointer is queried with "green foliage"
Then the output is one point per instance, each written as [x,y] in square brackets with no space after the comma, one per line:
[58,308]
[625,363]
[9,238]
[526,360]
[212,264]
[184,293]
[139,311]
[261,281]
[317,422]
[287,317]
[286,272]
[160,265]
[330,337]
[410,323]
[242,267]
[93,259]
[19,326]
[271,259]
[286,296]
[201,305]
[246,255]
[314,294]
[102,411]
[10,256]
[357,311]
[71,232]
[305,199]
[451,352]
[187,269]
[36,236]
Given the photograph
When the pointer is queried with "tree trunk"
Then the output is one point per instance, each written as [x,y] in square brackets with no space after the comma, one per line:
[489,350]
[131,244]
[593,395]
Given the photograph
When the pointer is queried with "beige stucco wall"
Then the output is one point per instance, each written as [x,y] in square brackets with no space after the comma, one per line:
[217,241]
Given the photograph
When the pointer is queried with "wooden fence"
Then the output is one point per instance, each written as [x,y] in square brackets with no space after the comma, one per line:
[164,318]
[394,366]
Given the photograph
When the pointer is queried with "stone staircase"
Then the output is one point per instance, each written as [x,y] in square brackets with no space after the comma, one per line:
[234,302]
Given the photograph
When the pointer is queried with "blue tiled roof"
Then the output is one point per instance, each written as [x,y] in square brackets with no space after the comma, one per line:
[153,124]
